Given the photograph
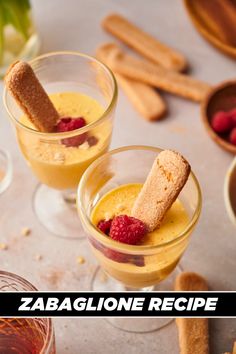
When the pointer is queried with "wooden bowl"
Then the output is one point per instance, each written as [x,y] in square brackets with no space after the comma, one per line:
[230,191]
[197,16]
[220,98]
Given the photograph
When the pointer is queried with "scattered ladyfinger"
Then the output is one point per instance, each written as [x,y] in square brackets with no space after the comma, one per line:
[31,97]
[193,332]
[144,98]
[154,75]
[144,43]
[165,181]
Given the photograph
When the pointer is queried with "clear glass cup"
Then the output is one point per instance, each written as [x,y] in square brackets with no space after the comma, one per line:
[18,36]
[5,170]
[146,267]
[230,191]
[24,335]
[54,199]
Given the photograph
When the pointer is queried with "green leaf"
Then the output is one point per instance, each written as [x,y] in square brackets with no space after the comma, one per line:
[2,24]
[16,13]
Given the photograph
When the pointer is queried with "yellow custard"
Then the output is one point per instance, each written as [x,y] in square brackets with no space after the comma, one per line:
[120,201]
[54,163]
[155,264]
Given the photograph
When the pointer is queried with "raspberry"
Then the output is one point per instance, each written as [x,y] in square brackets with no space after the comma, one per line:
[116,256]
[92,140]
[221,122]
[124,258]
[105,226]
[232,114]
[68,124]
[127,229]
[232,137]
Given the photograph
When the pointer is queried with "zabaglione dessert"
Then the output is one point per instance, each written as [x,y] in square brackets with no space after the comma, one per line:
[61,165]
[68,142]
[145,220]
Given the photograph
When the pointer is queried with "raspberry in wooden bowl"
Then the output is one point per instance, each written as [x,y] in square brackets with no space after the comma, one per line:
[219,115]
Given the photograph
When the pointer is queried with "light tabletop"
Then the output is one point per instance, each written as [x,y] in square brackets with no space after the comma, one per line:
[75,25]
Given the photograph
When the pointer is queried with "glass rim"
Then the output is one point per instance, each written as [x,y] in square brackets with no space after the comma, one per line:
[227,181]
[73,132]
[137,249]
[49,335]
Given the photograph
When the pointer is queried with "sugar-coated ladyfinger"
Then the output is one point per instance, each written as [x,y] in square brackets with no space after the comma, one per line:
[154,75]
[29,94]
[166,179]
[144,43]
[193,332]
[144,98]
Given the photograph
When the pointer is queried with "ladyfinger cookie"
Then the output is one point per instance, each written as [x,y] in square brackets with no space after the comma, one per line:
[193,332]
[144,43]
[144,98]
[154,75]
[166,179]
[31,97]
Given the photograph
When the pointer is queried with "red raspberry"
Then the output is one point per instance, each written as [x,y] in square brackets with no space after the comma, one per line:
[232,137]
[232,114]
[116,256]
[221,122]
[124,258]
[92,140]
[127,229]
[105,226]
[68,124]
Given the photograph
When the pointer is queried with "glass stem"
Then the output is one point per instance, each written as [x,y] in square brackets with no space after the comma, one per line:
[69,197]
[145,289]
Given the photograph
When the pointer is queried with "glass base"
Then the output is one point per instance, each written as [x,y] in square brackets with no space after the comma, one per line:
[57,212]
[103,282]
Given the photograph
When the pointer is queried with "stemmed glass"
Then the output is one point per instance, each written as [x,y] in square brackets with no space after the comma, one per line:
[54,199]
[148,267]
[24,335]
[5,170]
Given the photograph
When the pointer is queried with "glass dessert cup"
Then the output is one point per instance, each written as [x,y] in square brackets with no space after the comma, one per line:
[5,170]
[143,267]
[57,166]
[24,335]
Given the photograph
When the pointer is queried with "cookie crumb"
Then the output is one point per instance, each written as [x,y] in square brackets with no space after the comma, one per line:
[26,231]
[108,216]
[3,246]
[120,207]
[38,257]
[84,146]
[59,157]
[80,260]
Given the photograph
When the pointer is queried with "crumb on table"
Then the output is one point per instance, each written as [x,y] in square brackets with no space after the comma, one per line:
[3,246]
[80,260]
[25,231]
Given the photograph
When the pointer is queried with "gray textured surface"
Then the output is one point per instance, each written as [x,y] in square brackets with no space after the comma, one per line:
[75,25]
